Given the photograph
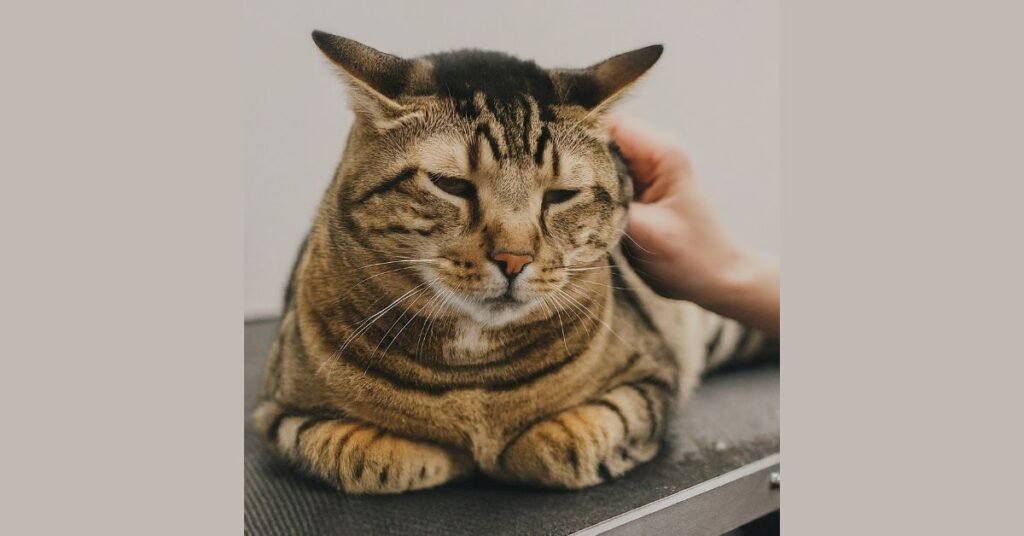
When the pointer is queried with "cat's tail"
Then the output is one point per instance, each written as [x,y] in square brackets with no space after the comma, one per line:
[728,343]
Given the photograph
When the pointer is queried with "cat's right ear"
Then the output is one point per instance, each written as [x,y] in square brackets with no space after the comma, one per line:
[375,78]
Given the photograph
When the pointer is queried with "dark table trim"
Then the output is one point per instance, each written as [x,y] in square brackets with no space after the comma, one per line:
[714,506]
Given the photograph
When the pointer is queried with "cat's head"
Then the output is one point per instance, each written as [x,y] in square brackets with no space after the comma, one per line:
[490,174]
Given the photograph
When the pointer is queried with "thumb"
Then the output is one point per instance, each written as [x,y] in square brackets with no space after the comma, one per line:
[640,148]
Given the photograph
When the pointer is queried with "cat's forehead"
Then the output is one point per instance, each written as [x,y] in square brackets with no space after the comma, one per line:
[503,110]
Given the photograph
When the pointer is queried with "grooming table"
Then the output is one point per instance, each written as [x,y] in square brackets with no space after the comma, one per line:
[717,471]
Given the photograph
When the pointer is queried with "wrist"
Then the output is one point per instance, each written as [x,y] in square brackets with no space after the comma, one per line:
[749,293]
[739,280]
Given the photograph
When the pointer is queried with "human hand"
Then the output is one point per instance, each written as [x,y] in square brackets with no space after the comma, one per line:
[676,242]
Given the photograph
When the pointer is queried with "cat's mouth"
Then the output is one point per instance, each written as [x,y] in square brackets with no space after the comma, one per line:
[505,300]
[497,310]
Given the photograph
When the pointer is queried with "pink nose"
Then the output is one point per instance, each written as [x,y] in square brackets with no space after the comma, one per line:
[513,263]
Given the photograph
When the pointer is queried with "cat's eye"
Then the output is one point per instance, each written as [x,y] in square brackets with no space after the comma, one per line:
[454,186]
[553,197]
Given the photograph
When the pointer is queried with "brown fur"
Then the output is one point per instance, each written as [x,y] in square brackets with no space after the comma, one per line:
[401,362]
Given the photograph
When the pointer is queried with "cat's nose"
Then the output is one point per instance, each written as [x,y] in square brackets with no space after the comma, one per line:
[511,263]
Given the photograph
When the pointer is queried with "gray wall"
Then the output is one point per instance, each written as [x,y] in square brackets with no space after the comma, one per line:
[716,89]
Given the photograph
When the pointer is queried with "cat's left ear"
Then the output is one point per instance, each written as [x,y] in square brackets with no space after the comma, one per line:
[597,87]
[376,78]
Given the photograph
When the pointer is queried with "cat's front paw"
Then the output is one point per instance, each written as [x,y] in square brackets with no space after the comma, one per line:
[577,448]
[375,462]
[359,457]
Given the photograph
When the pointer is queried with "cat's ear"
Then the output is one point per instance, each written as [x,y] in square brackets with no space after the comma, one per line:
[598,86]
[375,78]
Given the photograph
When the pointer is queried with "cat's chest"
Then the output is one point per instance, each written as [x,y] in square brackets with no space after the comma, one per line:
[470,344]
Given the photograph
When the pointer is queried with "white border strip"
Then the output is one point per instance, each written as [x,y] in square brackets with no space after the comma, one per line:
[680,496]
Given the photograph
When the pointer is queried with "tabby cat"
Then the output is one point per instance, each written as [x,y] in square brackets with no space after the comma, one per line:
[461,304]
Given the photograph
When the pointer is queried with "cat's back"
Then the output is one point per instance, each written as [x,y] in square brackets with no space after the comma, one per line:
[674,327]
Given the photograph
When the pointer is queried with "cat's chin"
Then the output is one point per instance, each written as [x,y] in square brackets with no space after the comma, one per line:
[495,312]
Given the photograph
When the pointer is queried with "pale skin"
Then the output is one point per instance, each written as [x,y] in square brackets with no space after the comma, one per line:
[678,245]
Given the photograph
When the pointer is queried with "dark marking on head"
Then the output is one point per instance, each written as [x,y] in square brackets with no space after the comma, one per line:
[502,78]
[474,216]
[555,164]
[389,184]
[542,143]
[492,105]
[473,154]
[465,107]
[483,129]
[527,122]
[602,196]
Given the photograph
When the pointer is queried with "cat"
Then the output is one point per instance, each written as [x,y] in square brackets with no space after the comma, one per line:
[461,304]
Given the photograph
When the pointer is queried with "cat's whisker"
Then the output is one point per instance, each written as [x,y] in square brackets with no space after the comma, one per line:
[586,321]
[449,307]
[443,307]
[589,326]
[560,324]
[429,319]
[365,324]
[435,314]
[411,318]
[415,296]
[584,309]
[575,266]
[589,282]
[425,260]
[385,273]
[593,322]
[429,323]
[544,304]
[631,239]
[573,270]
[453,318]
[568,310]
[386,254]
[399,319]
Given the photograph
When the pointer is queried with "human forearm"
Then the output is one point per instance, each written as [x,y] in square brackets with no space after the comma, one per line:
[748,293]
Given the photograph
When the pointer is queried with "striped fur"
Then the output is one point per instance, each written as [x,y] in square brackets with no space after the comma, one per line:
[406,358]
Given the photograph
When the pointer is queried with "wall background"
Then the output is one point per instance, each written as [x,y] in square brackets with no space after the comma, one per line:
[716,88]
